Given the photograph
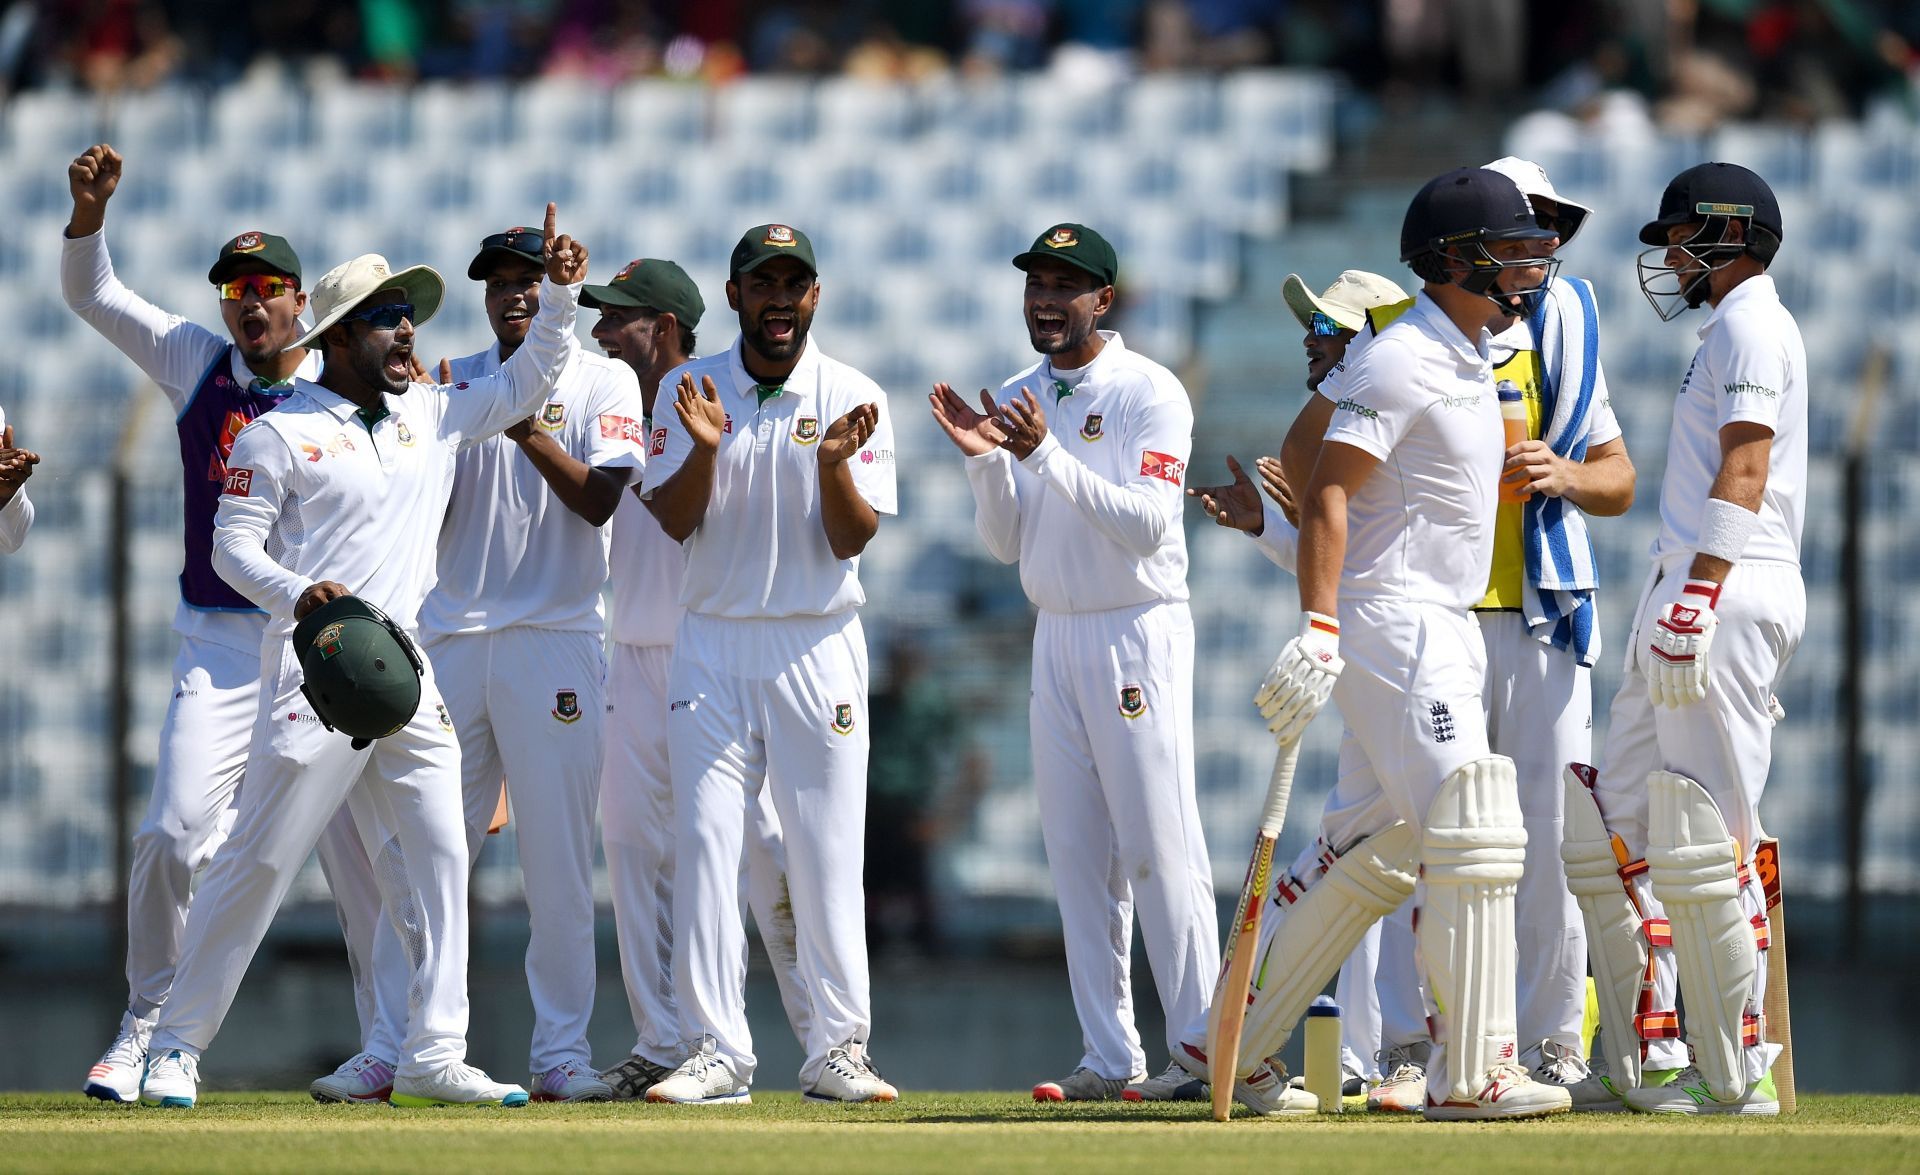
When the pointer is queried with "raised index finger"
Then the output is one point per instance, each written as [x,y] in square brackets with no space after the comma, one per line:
[553,215]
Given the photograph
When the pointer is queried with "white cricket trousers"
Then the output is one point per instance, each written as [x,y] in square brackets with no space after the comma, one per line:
[1724,742]
[780,703]
[636,822]
[529,704]
[1111,721]
[204,738]
[298,776]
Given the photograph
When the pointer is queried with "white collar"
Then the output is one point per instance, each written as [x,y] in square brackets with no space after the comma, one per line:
[1760,285]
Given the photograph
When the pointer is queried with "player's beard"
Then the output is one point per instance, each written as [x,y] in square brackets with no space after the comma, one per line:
[779,350]
[370,366]
[1072,336]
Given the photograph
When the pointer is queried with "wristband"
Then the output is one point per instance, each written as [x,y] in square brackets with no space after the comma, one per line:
[1725,529]
[1321,623]
[1703,587]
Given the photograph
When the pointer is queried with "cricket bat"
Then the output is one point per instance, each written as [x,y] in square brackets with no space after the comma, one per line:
[1228,1014]
[1766,860]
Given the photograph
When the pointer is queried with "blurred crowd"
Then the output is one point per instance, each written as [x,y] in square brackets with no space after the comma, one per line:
[1687,62]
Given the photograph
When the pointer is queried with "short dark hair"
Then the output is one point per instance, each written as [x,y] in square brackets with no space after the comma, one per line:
[687,339]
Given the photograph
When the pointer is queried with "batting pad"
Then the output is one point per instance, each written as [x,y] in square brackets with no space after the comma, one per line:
[1693,866]
[1316,933]
[1616,948]
[1473,851]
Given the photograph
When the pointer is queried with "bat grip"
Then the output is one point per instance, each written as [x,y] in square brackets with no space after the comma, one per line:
[1279,789]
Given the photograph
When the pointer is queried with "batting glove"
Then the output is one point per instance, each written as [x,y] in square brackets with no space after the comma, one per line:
[1301,679]
[1677,666]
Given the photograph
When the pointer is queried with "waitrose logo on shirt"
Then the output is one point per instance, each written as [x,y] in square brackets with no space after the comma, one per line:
[1749,389]
[1357,408]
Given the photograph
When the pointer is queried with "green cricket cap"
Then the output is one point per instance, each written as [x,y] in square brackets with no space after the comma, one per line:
[763,242]
[265,248]
[362,673]
[653,284]
[1077,245]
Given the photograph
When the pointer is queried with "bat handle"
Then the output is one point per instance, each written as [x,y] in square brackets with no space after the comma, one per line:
[1280,789]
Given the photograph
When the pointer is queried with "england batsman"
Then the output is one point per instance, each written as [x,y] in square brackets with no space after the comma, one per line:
[1723,610]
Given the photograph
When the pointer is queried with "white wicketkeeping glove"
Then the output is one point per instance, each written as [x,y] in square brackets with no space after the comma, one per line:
[1301,679]
[1677,661]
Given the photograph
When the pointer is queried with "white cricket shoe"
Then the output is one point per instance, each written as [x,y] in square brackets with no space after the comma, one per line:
[362,1079]
[458,1084]
[703,1079]
[115,1077]
[1404,1091]
[1084,1085]
[849,1076]
[172,1080]
[1510,1092]
[1562,1065]
[633,1077]
[1175,1085]
[1687,1093]
[1267,1092]
[570,1081]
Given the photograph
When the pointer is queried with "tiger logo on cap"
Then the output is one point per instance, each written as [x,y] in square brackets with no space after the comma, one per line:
[1062,238]
[780,234]
[249,243]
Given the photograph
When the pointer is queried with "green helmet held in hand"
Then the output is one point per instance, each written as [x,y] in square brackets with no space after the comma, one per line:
[362,673]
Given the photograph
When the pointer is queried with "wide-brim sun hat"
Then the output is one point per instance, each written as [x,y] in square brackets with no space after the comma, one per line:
[1346,301]
[347,285]
[1531,179]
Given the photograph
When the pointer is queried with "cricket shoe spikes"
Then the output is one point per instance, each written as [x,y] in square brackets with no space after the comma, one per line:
[362,1079]
[115,1077]
[1175,1085]
[570,1081]
[703,1079]
[457,1084]
[633,1077]
[849,1076]
[1084,1085]
[1508,1091]
[1688,1093]
[172,1080]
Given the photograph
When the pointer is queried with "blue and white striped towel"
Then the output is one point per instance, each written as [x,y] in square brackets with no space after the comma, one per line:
[1560,609]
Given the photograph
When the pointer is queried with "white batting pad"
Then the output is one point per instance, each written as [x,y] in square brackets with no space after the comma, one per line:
[1616,947]
[1693,866]
[1314,935]
[1473,851]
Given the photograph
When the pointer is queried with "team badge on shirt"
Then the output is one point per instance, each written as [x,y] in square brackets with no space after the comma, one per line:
[843,718]
[1091,429]
[1164,466]
[566,705]
[1133,702]
[404,433]
[1440,719]
[553,415]
[806,429]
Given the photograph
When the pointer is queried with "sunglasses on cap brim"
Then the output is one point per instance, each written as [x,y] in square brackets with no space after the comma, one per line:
[263,285]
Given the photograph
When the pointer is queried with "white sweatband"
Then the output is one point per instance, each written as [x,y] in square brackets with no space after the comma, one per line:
[1725,529]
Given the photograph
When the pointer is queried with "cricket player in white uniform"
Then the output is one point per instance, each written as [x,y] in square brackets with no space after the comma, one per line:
[1396,541]
[1331,319]
[1085,493]
[648,313]
[16,510]
[342,491]
[773,469]
[215,385]
[1677,796]
[513,627]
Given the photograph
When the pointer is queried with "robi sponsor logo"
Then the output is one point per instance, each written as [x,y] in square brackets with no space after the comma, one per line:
[1164,466]
[620,428]
[239,482]
[659,444]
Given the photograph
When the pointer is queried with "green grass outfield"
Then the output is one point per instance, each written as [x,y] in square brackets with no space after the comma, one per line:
[266,1132]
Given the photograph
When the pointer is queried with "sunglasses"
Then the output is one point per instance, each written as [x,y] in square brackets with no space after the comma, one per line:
[1324,327]
[264,286]
[382,317]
